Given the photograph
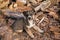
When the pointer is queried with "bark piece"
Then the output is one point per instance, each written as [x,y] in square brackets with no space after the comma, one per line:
[38,29]
[21,1]
[33,1]
[57,35]
[23,8]
[29,32]
[55,29]
[4,3]
[44,5]
[53,2]
[54,15]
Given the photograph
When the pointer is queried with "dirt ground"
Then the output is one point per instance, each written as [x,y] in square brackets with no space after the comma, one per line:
[16,16]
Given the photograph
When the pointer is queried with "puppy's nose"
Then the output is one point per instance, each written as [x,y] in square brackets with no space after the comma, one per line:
[29,17]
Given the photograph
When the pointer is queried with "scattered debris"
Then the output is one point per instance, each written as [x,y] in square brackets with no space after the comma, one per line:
[29,19]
